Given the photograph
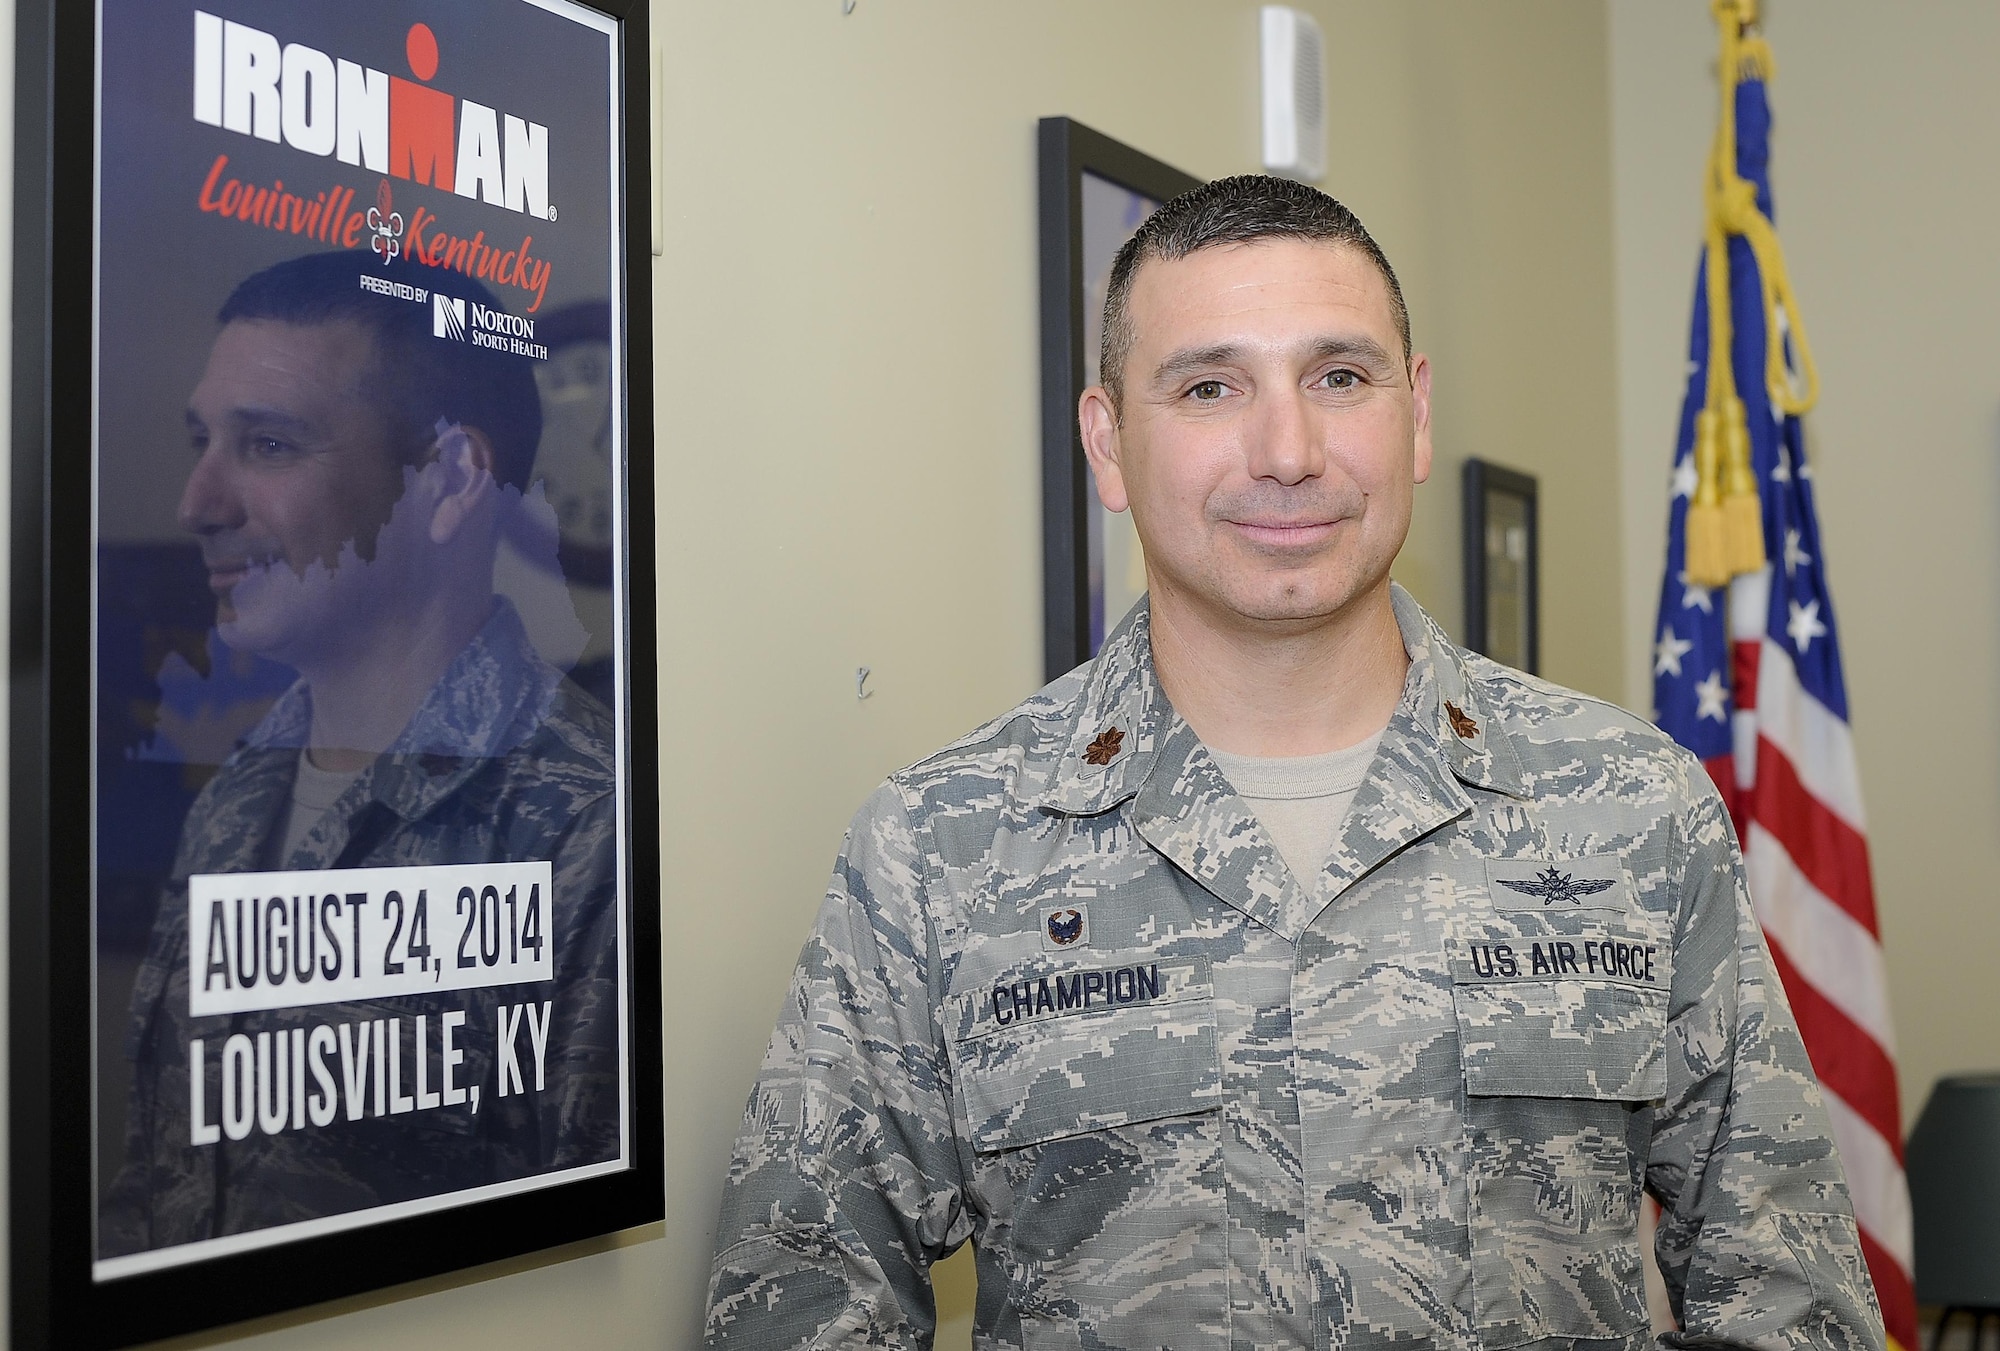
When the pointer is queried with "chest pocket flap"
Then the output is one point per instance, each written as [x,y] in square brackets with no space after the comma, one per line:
[1056,1048]
[1572,1015]
[1562,1025]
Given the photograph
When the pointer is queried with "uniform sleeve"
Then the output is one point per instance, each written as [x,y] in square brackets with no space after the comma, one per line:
[1757,1240]
[846,1180]
[579,1122]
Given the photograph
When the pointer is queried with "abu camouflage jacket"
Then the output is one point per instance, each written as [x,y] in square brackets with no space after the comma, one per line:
[505,761]
[1065,1001]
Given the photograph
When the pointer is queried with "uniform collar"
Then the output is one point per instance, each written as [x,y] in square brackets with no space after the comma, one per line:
[1439,738]
[491,698]
[1441,706]
[1442,698]
[1123,714]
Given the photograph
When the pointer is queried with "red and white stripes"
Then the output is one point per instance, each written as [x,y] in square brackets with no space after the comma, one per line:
[1796,796]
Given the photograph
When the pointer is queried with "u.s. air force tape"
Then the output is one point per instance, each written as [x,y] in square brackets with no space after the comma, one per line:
[1589,956]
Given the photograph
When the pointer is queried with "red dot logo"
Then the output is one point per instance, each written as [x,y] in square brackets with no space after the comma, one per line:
[422,49]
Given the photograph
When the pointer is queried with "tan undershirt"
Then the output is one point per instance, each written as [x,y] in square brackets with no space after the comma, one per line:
[313,791]
[1301,800]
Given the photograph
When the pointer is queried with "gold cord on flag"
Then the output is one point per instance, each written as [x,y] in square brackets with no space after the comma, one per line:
[1725,522]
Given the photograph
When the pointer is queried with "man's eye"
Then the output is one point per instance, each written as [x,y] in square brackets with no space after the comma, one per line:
[1340,380]
[1208,391]
[271,448]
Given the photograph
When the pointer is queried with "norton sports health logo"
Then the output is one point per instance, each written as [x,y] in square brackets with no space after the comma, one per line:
[447,317]
[488,327]
[245,81]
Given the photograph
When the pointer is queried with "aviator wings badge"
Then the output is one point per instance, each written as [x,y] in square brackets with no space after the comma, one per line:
[1553,885]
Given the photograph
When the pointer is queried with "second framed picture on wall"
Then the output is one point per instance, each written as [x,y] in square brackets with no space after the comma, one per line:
[1095,193]
[1502,564]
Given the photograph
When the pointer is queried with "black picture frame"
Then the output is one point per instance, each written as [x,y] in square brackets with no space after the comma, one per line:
[54,1300]
[1502,551]
[1067,150]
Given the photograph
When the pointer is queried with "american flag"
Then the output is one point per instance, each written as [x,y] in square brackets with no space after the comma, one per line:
[1749,679]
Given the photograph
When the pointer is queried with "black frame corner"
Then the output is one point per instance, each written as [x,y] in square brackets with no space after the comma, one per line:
[1478,476]
[1065,150]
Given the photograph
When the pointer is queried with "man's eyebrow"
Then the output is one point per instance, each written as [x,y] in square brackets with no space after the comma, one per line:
[1193,360]
[259,415]
[1189,360]
[1364,350]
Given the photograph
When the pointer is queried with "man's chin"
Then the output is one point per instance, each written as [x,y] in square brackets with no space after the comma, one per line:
[243,633]
[1302,602]
[1253,596]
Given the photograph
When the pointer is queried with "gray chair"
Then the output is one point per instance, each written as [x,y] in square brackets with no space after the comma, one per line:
[1953,1164]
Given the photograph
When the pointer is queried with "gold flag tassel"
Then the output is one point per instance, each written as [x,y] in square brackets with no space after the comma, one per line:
[1725,520]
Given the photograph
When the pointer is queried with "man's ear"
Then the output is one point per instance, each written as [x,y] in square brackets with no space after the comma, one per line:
[1420,388]
[1097,419]
[463,459]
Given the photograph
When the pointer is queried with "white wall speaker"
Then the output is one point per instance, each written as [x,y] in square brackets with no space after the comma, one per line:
[1294,93]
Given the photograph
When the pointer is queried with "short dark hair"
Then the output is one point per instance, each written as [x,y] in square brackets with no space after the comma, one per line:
[1232,211]
[417,377]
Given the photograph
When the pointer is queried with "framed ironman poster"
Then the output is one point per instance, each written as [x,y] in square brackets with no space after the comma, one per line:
[333,875]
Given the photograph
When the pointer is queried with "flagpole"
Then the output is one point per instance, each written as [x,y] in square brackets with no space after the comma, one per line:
[1747,670]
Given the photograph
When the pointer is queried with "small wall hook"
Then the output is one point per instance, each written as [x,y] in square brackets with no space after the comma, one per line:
[846,6]
[861,690]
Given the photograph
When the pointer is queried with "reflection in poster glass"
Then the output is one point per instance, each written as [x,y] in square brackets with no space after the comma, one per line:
[360,901]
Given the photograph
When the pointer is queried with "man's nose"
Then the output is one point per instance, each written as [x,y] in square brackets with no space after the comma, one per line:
[209,501]
[1285,440]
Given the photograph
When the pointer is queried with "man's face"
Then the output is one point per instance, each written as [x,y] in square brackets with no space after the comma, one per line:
[1271,435]
[292,485]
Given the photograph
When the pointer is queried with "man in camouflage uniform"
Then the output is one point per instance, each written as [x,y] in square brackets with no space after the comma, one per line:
[348,491]
[1185,1083]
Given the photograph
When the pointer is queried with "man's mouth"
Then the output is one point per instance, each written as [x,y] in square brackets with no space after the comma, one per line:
[1285,533]
[225,573]
[223,576]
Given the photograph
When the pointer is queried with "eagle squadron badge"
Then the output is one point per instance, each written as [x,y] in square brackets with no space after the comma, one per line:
[1065,927]
[1553,885]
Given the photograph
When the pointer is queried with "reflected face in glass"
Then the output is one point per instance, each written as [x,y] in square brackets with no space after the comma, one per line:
[579,370]
[293,481]
[574,459]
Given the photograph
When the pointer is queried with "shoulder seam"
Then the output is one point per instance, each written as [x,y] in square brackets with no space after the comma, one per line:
[1534,683]
[990,730]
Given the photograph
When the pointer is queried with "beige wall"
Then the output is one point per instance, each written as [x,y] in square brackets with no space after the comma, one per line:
[1885,203]
[847,380]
